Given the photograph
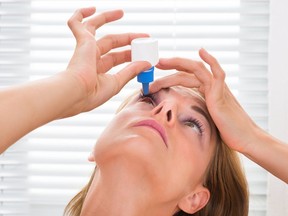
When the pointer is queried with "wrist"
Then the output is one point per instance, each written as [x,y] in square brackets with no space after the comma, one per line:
[254,141]
[73,93]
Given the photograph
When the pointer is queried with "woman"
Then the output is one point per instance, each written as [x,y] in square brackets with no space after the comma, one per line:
[84,85]
[162,155]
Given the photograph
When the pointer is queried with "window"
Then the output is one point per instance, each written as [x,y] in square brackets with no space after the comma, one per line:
[41,173]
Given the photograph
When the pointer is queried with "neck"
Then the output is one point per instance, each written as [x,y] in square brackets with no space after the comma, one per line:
[120,194]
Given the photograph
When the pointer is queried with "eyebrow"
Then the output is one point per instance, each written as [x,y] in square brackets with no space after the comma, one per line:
[204,114]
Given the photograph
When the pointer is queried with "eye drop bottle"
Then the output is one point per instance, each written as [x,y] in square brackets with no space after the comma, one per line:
[145,49]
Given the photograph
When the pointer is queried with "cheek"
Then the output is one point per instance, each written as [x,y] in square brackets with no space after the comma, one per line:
[112,133]
[191,160]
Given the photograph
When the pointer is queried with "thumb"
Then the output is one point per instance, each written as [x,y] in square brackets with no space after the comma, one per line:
[129,72]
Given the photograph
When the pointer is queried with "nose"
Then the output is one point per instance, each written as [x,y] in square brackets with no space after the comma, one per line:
[166,111]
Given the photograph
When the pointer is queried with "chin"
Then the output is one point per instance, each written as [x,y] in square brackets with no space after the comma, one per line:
[129,150]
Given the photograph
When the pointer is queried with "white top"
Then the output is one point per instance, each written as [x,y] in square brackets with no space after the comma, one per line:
[145,49]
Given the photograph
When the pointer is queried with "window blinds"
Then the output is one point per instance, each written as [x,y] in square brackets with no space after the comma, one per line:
[40,174]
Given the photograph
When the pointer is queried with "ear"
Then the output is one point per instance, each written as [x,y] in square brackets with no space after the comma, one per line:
[194,201]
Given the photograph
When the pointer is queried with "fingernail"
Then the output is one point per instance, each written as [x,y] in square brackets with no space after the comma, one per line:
[91,157]
[162,60]
[204,50]
[148,66]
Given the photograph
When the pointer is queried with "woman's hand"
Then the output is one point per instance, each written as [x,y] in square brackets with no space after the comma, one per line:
[92,58]
[236,127]
[83,86]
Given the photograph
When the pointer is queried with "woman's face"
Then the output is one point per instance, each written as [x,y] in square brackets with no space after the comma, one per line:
[167,139]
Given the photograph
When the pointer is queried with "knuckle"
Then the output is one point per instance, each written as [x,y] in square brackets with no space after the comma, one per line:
[177,60]
[181,75]
[213,60]
[73,17]
[117,87]
[157,82]
[127,55]
[222,75]
[107,37]
[114,60]
[200,64]
[112,40]
[70,22]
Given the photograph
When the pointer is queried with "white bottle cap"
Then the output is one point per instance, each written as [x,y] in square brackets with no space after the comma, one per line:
[145,49]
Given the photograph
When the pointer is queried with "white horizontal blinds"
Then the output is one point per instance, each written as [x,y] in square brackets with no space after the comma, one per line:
[14,49]
[55,157]
[252,86]
[14,52]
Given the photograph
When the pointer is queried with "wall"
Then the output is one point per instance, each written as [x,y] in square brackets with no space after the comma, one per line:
[278,97]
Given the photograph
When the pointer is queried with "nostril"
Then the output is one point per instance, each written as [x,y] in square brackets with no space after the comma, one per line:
[169,115]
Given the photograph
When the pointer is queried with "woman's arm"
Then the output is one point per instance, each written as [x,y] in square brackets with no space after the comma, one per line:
[83,86]
[26,107]
[237,129]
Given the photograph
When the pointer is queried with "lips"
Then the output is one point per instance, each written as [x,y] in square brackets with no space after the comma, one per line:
[155,126]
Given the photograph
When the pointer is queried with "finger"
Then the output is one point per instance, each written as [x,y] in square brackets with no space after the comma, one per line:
[180,78]
[187,65]
[109,42]
[112,59]
[129,72]
[103,18]
[75,22]
[216,69]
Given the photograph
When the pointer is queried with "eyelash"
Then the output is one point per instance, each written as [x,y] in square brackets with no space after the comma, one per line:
[195,122]
[150,98]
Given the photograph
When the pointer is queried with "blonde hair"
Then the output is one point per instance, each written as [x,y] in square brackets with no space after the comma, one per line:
[225,179]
